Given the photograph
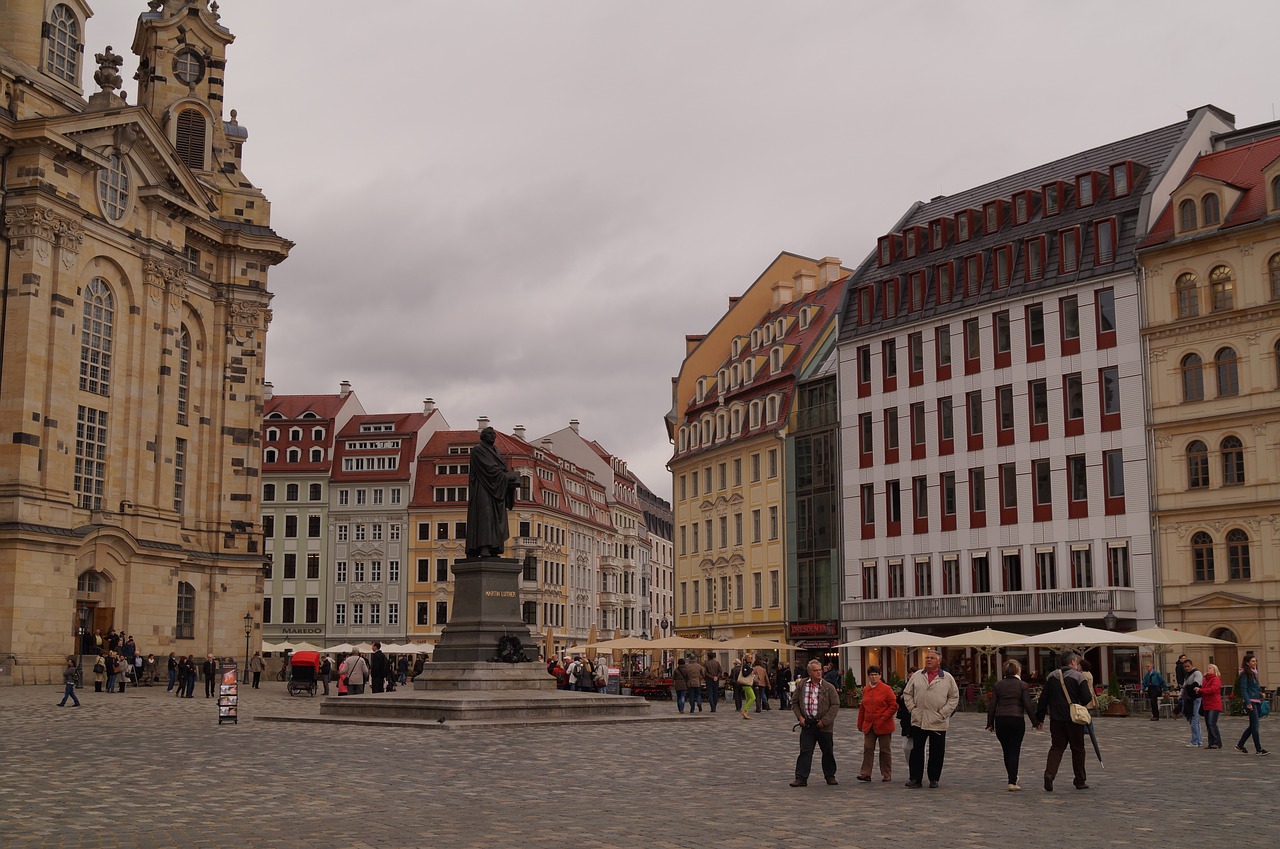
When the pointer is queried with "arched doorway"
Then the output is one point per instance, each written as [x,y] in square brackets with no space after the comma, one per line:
[95,609]
[1226,657]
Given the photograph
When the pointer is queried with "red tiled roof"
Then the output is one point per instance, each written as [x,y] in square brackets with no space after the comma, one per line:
[294,406]
[404,426]
[1240,167]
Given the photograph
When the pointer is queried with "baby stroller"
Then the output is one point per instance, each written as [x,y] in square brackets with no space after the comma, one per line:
[305,669]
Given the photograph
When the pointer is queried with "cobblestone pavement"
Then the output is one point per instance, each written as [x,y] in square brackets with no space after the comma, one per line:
[150,771]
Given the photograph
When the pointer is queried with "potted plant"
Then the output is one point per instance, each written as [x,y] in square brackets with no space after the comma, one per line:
[1111,703]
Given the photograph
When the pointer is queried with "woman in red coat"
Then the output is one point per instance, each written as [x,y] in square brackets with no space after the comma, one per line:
[1211,704]
[875,721]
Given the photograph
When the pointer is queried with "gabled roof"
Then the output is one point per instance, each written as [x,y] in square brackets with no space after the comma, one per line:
[1239,167]
[295,406]
[404,427]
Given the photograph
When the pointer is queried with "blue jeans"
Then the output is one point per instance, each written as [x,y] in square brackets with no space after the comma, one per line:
[1211,726]
[1193,717]
[713,694]
[69,692]
[1252,730]
[681,695]
[695,698]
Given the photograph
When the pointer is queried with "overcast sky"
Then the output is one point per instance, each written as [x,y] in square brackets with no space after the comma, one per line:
[521,208]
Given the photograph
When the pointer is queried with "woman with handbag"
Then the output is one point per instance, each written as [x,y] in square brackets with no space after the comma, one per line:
[1249,689]
[746,685]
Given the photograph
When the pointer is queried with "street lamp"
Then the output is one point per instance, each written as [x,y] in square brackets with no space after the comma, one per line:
[1110,620]
[664,623]
[248,631]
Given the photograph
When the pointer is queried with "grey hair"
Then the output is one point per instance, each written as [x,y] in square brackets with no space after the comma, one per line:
[1066,658]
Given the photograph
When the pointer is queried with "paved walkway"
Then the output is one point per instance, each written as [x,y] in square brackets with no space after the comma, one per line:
[149,771]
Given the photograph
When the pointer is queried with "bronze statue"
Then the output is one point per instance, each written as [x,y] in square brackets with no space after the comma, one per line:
[491,493]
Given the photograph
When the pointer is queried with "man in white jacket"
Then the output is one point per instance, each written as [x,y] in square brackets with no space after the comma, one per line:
[931,694]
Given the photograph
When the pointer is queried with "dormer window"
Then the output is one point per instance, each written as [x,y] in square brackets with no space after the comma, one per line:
[1104,240]
[737,346]
[1121,177]
[749,370]
[775,360]
[886,250]
[1187,215]
[916,290]
[766,334]
[1068,250]
[1210,213]
[702,390]
[910,243]
[1052,194]
[1035,258]
[755,414]
[936,236]
[1085,189]
[991,215]
[1275,193]
[804,318]
[943,281]
[866,305]
[755,339]
[973,274]
[771,409]
[1021,207]
[963,225]
[890,298]
[1004,265]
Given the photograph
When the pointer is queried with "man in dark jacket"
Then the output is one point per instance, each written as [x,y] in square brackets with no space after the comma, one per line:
[210,670]
[1061,689]
[815,706]
[379,668]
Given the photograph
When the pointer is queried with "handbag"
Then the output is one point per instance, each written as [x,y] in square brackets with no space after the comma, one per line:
[1079,713]
[747,679]
[1264,708]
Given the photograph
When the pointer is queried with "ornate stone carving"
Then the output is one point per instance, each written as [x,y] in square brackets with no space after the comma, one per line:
[1246,250]
[1157,355]
[1252,339]
[1259,428]
[1164,441]
[1153,272]
[108,74]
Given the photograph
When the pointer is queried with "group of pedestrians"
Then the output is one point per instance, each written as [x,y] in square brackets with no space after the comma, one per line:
[931,695]
[1200,694]
[581,674]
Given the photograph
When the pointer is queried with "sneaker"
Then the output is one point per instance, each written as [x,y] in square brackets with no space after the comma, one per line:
[1013,787]
[1241,750]
[1263,752]
[1193,746]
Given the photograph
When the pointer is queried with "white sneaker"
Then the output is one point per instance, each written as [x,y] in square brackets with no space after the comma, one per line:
[1013,787]
[1193,745]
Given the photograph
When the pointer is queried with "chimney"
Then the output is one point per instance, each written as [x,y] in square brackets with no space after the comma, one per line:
[268,389]
[519,432]
[573,423]
[429,405]
[482,422]
[781,293]
[828,271]
[344,389]
[805,282]
[548,444]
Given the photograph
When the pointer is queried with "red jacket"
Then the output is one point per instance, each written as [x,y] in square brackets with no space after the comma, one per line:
[1211,692]
[879,705]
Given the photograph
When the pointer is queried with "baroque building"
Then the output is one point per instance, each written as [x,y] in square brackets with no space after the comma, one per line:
[995,465]
[733,402]
[1212,339]
[132,331]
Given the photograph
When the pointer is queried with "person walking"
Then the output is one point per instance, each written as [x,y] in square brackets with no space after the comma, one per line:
[113,670]
[746,683]
[1249,688]
[1153,684]
[1009,702]
[712,671]
[761,685]
[680,683]
[256,665]
[1191,701]
[69,682]
[815,707]
[189,675]
[1062,689]
[731,683]
[782,680]
[173,671]
[1180,674]
[878,706]
[326,672]
[1211,705]
[932,695]
[696,675]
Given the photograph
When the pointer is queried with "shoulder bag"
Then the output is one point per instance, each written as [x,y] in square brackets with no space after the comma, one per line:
[1079,713]
[747,678]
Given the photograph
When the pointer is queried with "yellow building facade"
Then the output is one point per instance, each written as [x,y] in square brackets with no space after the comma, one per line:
[135,308]
[731,401]
[1212,338]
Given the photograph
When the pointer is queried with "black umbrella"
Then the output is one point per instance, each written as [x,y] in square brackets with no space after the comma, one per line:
[1096,750]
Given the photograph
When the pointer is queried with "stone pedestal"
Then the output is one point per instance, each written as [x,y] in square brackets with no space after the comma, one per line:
[486,607]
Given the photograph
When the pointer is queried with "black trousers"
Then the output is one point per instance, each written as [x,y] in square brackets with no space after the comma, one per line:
[1064,734]
[1153,695]
[810,737]
[937,751]
[1009,731]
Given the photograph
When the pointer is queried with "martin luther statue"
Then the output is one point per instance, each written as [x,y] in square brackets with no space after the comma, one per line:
[492,492]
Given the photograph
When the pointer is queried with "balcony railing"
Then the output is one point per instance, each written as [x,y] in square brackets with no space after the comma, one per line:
[1034,604]
[607,599]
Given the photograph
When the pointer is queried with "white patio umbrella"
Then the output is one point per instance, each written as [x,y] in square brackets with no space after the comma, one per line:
[899,639]
[419,648]
[1171,637]
[282,646]
[340,648]
[756,644]
[987,639]
[305,646]
[1079,638]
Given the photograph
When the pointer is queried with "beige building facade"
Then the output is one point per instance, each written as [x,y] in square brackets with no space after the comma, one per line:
[135,308]
[1212,339]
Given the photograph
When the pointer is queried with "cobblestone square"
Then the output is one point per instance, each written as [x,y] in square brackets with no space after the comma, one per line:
[145,770]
